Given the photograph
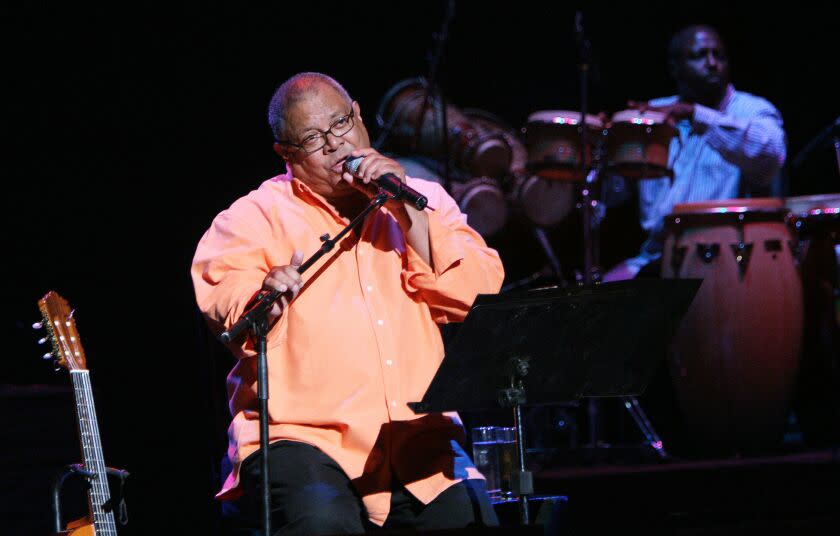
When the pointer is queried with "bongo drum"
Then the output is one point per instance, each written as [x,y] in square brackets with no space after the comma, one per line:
[480,198]
[552,139]
[484,203]
[735,357]
[544,202]
[638,144]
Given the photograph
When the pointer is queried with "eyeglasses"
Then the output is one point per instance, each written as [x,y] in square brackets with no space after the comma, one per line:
[315,141]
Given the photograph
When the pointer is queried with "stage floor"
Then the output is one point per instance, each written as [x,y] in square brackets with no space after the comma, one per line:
[799,492]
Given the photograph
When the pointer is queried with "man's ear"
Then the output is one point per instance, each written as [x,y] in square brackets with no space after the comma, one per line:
[282,151]
[674,69]
[364,135]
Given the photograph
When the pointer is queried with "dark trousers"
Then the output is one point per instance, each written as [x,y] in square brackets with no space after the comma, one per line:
[311,494]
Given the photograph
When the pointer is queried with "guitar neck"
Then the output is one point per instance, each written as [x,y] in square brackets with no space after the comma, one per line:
[99,494]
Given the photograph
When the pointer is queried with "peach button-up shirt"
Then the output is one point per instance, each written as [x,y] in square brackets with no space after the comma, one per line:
[359,341]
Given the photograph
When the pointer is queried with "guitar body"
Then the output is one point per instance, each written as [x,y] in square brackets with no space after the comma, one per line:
[79,527]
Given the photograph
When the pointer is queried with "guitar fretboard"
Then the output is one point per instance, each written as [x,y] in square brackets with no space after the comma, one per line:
[103,516]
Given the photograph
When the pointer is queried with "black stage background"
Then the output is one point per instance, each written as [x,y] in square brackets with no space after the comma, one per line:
[132,127]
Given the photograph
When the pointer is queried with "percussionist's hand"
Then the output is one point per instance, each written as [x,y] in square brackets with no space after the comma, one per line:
[674,113]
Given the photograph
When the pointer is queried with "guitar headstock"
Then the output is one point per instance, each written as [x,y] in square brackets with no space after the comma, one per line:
[61,332]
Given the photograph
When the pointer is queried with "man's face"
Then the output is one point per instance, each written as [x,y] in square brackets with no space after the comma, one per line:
[316,113]
[703,69]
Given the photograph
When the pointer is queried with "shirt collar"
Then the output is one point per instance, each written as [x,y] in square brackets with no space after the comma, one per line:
[727,98]
[306,194]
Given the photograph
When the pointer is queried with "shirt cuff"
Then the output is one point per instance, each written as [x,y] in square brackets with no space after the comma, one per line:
[446,251]
[706,117]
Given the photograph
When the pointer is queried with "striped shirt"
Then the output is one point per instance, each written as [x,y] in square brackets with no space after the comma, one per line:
[717,155]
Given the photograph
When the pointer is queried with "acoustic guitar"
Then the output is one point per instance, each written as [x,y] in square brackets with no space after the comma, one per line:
[68,353]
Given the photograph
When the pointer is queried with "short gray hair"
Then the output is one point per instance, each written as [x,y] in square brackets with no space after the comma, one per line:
[294,90]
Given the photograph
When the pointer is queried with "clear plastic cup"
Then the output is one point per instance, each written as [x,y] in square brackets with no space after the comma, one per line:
[506,449]
[486,456]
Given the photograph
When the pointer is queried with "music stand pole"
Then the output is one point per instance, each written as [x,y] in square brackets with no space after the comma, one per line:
[522,480]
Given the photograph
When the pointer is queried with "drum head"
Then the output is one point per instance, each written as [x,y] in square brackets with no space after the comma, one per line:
[815,215]
[563,117]
[806,203]
[727,212]
[729,205]
[545,202]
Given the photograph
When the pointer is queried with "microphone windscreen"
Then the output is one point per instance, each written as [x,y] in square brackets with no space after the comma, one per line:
[352,163]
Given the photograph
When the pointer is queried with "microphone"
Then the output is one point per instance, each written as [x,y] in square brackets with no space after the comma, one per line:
[390,183]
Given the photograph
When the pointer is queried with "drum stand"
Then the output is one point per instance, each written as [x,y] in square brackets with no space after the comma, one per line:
[592,214]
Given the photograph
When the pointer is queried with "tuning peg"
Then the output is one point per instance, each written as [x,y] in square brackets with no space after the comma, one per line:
[37,325]
[42,340]
[48,355]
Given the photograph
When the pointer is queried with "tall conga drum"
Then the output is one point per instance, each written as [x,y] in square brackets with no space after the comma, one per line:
[735,358]
[815,220]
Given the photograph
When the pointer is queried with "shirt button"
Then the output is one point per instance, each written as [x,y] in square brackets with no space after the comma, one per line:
[389,362]
[370,288]
[380,322]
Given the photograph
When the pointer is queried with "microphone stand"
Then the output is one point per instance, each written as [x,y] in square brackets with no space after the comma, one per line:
[592,216]
[433,92]
[591,177]
[830,134]
[256,318]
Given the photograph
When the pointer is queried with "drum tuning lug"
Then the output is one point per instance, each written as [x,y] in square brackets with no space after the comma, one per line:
[708,252]
[742,254]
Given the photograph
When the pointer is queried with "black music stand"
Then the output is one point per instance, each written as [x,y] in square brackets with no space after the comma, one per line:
[554,345]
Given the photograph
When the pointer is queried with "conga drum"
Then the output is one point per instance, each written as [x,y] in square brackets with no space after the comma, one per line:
[413,126]
[638,144]
[815,220]
[735,357]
